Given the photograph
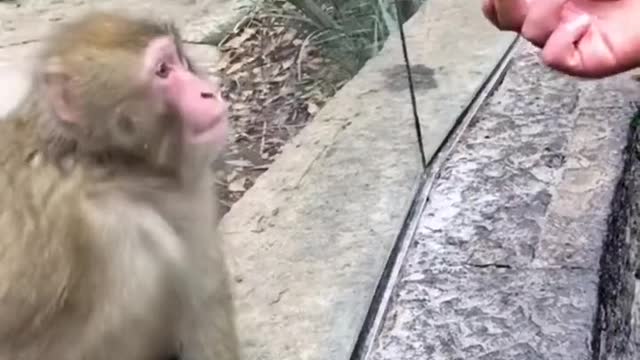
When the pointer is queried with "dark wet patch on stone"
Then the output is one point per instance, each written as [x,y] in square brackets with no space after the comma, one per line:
[423,78]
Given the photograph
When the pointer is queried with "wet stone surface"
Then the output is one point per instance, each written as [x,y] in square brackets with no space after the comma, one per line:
[505,263]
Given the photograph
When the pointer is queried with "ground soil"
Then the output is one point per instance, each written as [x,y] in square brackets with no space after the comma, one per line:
[276,82]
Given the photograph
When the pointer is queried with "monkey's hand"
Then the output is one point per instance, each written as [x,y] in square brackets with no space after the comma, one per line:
[586,38]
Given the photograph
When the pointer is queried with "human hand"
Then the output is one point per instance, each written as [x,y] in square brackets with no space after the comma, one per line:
[587,38]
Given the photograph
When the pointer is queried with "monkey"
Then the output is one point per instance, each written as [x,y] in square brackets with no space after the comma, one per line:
[108,240]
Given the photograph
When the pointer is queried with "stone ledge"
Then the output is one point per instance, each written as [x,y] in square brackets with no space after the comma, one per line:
[506,261]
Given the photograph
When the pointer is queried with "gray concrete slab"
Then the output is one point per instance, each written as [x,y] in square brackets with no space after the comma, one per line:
[200,20]
[309,241]
[502,315]
[508,258]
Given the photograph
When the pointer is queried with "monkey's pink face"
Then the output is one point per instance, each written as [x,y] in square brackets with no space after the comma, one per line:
[198,101]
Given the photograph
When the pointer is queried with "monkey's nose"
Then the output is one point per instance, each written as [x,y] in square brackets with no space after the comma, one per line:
[206,95]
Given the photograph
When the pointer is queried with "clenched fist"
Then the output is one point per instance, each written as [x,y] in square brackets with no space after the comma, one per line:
[586,38]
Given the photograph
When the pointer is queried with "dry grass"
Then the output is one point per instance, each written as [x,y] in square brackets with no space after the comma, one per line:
[276,81]
[280,66]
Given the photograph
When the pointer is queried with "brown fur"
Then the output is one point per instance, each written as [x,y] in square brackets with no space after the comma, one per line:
[108,249]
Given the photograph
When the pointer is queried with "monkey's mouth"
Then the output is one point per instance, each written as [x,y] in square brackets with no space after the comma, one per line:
[209,131]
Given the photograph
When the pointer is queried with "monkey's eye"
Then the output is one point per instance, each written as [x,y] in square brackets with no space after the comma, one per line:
[163,70]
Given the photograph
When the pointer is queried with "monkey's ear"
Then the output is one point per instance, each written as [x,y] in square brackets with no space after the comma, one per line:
[59,93]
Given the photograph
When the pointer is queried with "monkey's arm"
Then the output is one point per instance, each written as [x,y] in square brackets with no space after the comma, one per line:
[211,333]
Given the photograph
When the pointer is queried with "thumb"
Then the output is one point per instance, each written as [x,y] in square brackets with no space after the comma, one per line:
[578,48]
[489,11]
[560,51]
[507,14]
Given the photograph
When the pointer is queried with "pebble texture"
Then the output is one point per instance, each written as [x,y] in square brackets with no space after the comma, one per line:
[505,263]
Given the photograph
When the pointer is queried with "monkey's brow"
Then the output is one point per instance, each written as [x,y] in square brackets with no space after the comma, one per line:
[171,28]
[181,54]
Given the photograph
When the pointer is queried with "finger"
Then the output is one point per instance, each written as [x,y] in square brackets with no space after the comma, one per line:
[542,19]
[489,11]
[560,51]
[511,13]
[597,54]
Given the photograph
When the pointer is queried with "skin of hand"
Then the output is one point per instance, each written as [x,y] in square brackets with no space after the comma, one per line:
[585,38]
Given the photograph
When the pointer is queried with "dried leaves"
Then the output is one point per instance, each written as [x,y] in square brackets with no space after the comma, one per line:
[275,81]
